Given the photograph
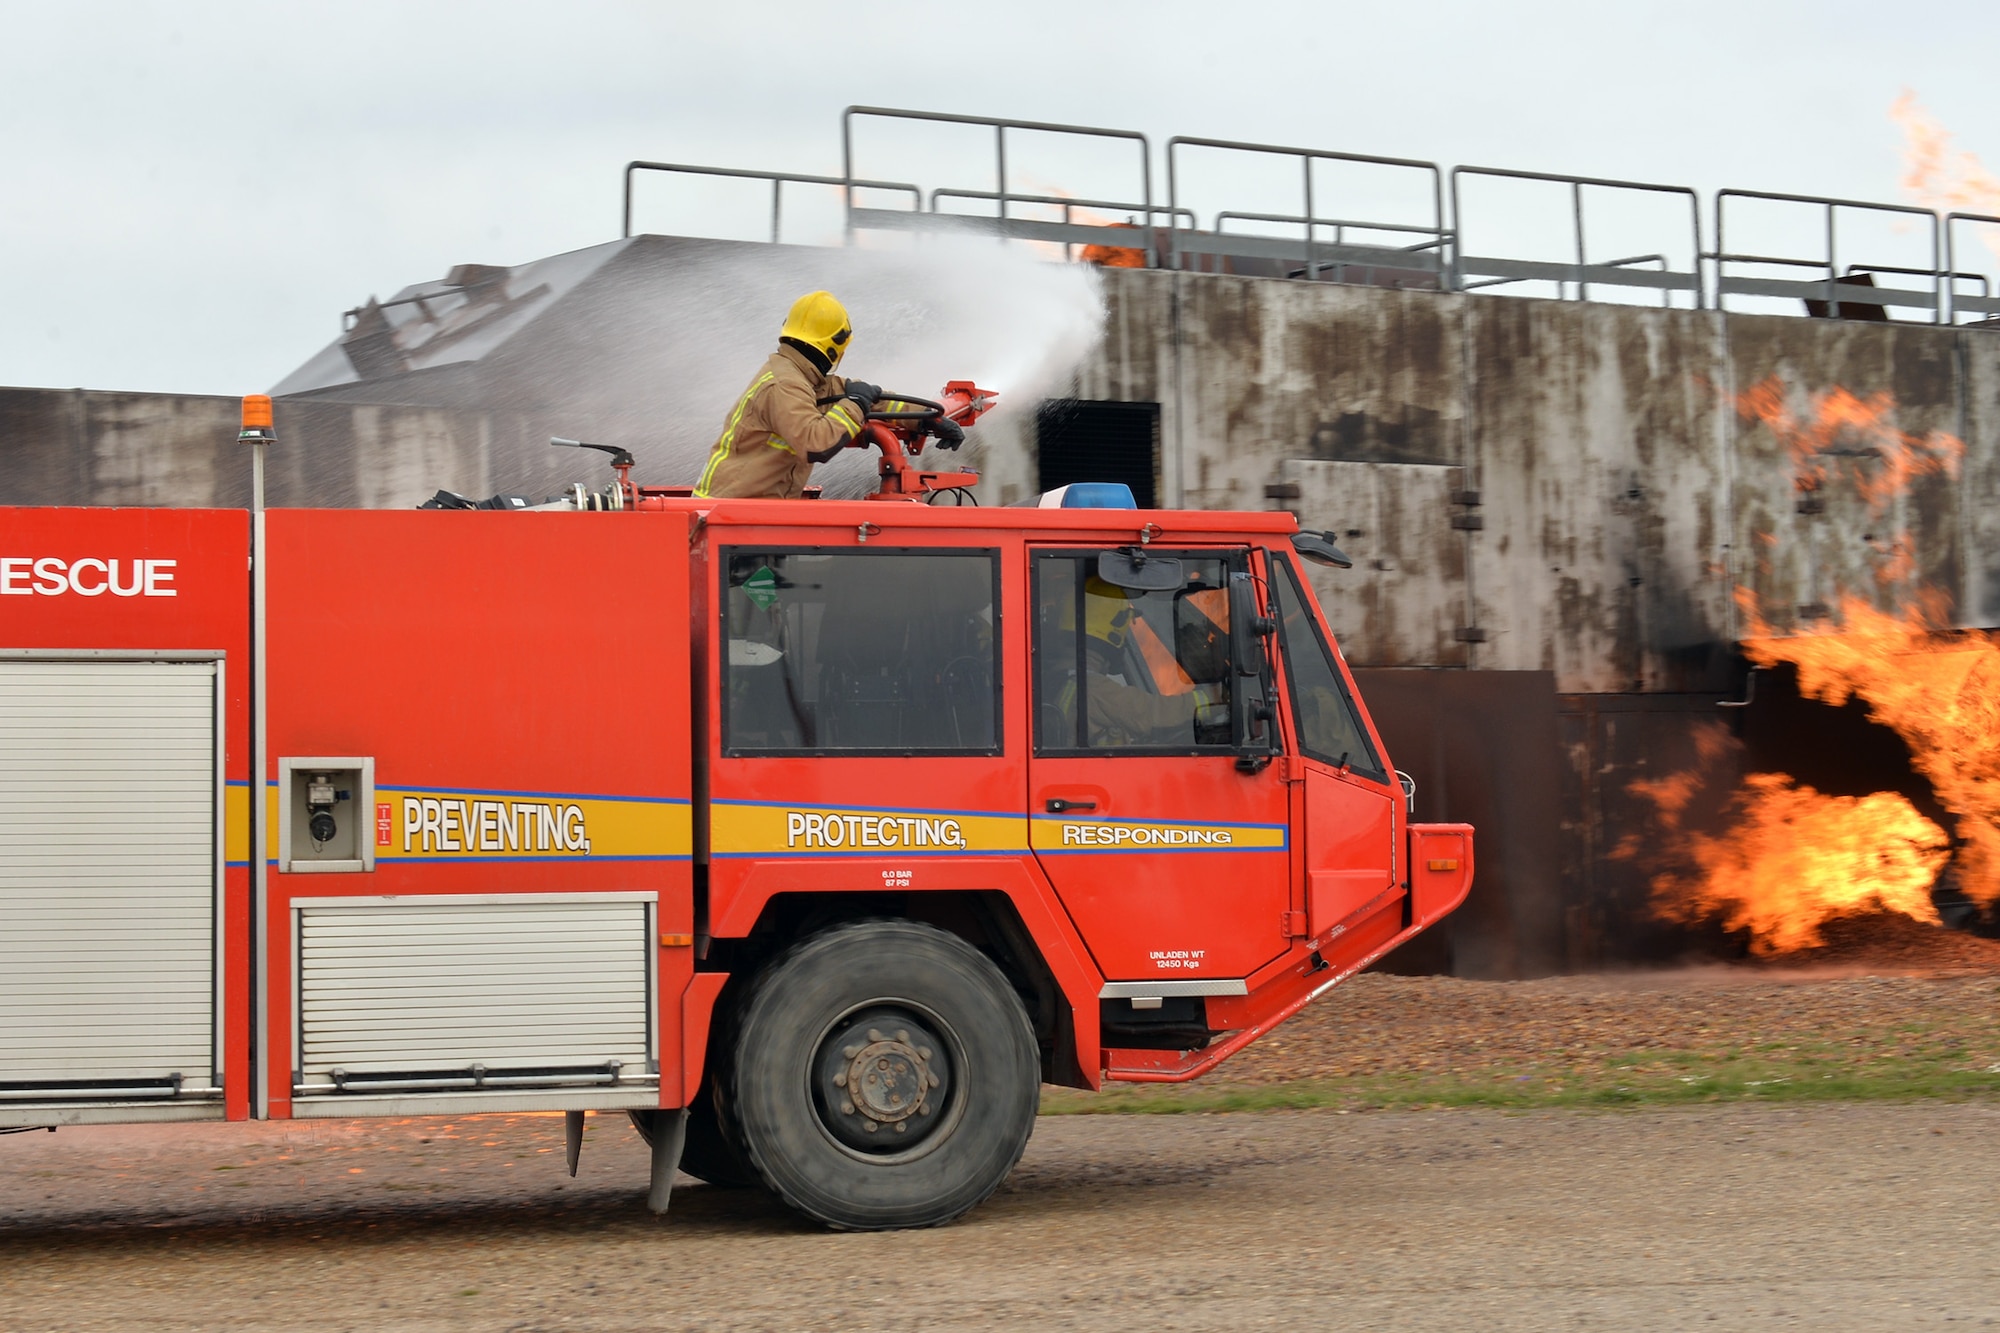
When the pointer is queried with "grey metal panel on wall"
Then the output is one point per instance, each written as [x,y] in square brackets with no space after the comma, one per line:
[108,865]
[1272,370]
[1604,539]
[1405,599]
[509,983]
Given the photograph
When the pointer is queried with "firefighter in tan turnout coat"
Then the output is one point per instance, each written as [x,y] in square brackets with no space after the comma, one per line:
[779,428]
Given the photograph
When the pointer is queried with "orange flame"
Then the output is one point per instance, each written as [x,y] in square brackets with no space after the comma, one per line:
[1113,256]
[1795,858]
[1843,434]
[1938,690]
[1791,857]
[1936,175]
[1104,256]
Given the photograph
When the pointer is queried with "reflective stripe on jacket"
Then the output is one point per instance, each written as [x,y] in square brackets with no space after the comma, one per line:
[773,426]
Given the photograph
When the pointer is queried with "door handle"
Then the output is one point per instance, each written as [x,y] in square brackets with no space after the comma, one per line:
[1056,805]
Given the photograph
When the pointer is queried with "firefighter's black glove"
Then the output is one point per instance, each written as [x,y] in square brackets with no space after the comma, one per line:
[949,433]
[863,394]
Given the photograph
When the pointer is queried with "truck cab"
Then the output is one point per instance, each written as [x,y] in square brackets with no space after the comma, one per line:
[1117,751]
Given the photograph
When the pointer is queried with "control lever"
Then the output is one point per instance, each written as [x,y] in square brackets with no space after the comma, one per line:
[619,457]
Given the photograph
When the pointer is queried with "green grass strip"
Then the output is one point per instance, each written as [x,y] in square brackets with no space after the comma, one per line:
[1675,1082]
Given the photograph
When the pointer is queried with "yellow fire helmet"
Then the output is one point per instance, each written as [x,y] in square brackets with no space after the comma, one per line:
[1107,612]
[820,322]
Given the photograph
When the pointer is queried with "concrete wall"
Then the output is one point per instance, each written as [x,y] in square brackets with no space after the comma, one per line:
[79,446]
[82,447]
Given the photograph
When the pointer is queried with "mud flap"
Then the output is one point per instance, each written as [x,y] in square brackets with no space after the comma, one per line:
[669,1133]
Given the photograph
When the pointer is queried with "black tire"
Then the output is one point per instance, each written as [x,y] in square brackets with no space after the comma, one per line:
[938,1044]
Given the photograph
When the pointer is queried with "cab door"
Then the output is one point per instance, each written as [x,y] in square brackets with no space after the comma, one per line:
[1352,798]
[1174,863]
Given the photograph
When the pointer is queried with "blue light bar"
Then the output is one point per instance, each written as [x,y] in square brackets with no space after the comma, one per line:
[1089,495]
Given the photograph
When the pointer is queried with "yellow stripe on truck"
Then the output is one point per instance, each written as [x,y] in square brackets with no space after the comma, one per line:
[425,824]
[747,828]
[1139,835]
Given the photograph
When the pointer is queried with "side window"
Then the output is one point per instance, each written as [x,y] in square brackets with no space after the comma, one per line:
[1130,672]
[860,652]
[1329,728]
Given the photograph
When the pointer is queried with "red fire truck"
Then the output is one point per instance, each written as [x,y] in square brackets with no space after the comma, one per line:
[815,835]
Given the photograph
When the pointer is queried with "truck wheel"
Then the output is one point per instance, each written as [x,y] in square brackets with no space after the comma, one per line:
[886,1076]
[706,1153]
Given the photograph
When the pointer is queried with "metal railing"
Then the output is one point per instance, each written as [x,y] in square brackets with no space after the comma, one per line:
[1373,267]
[1832,288]
[1435,255]
[1315,255]
[1666,295]
[778,180]
[1067,233]
[1985,304]
[1002,226]
[1495,270]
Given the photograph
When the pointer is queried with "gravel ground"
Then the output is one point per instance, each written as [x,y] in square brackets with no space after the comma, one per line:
[1736,1216]
[1730,1213]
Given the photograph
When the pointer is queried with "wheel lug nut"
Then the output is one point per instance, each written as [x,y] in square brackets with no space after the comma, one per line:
[902,1128]
[902,1035]
[850,1051]
[923,1052]
[871,1126]
[840,1080]
[874,1034]
[847,1108]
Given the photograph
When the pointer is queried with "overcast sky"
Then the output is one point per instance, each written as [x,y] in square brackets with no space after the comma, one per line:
[194,191]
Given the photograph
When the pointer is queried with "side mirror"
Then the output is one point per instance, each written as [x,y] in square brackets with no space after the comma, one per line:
[1247,627]
[1133,570]
[1318,547]
[1250,664]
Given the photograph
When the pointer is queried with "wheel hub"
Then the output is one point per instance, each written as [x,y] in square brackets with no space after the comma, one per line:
[882,1078]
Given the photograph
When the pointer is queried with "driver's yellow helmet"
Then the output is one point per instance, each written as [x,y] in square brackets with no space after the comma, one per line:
[820,322]
[1107,612]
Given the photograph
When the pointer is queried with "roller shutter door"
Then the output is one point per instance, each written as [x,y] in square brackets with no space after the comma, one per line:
[504,992]
[108,866]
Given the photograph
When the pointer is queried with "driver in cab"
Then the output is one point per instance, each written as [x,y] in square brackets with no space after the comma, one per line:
[1138,693]
[795,413]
